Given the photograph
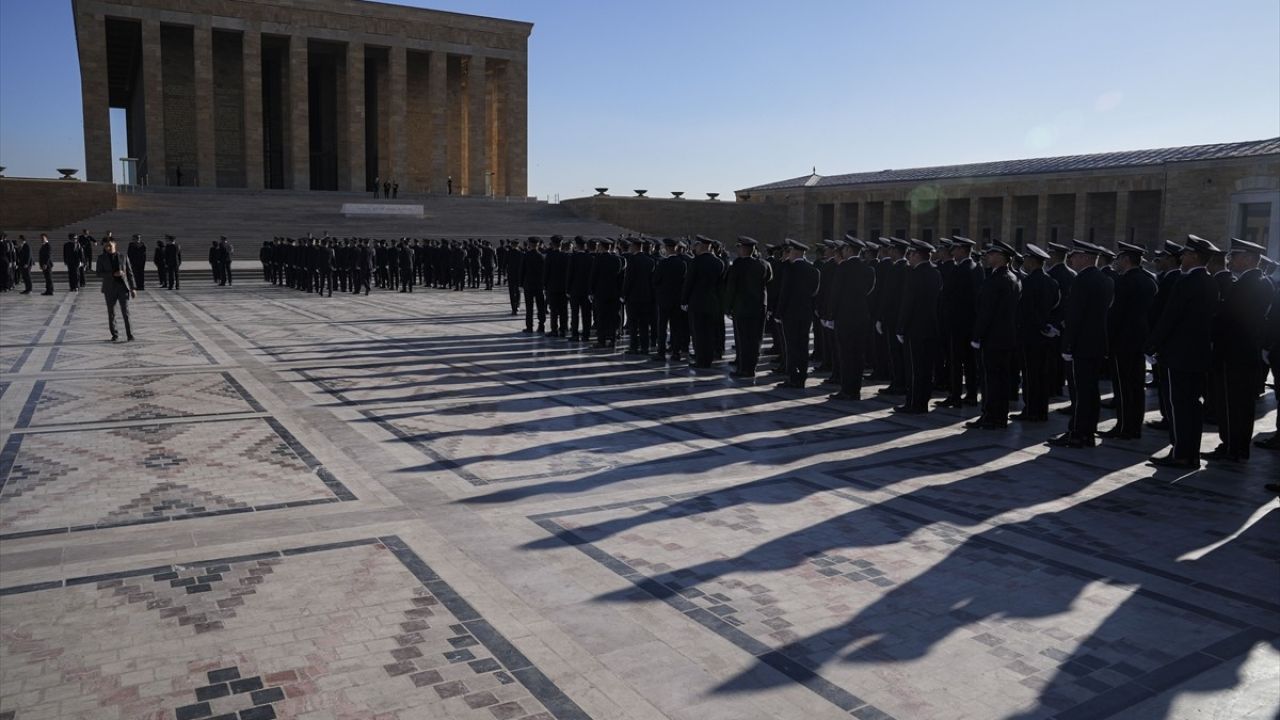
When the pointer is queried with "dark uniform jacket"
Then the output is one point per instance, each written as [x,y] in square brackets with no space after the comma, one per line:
[798,294]
[960,295]
[1036,306]
[71,254]
[668,281]
[637,281]
[1129,319]
[702,284]
[745,288]
[1239,329]
[918,319]
[996,321]
[606,277]
[1085,320]
[1183,337]
[556,271]
[532,271]
[578,278]
[849,300]
[1064,277]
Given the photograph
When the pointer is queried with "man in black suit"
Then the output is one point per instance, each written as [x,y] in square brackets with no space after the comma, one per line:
[891,275]
[533,270]
[1035,310]
[637,293]
[823,337]
[701,299]
[668,286]
[117,287]
[1237,351]
[86,251]
[72,258]
[995,335]
[1128,325]
[850,315]
[917,326]
[137,254]
[172,261]
[1063,276]
[959,306]
[1168,261]
[606,279]
[579,284]
[514,260]
[46,263]
[1181,341]
[24,264]
[556,281]
[795,312]
[1084,342]
[748,277]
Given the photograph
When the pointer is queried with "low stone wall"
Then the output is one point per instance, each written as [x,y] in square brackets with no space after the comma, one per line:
[36,205]
[722,220]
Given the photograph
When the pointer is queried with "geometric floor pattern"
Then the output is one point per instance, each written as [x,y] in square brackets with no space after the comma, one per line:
[413,510]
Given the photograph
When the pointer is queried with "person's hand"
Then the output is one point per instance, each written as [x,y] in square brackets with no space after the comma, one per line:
[1151,359]
[685,308]
[1066,356]
[133,293]
[901,340]
[1050,331]
[118,273]
[879,328]
[975,345]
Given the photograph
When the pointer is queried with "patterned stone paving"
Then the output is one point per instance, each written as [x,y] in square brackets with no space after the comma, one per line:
[469,522]
[376,635]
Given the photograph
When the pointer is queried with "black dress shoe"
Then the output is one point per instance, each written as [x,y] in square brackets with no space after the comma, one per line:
[904,410]
[1158,424]
[1271,443]
[129,338]
[1026,417]
[981,424]
[1221,453]
[1273,487]
[971,401]
[1170,461]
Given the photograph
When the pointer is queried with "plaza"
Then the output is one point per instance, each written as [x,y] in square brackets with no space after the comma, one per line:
[399,506]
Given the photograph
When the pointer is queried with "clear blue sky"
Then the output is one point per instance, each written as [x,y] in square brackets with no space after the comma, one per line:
[719,95]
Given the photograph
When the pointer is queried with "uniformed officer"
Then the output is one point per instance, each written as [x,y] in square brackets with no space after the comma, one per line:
[850,313]
[172,262]
[579,285]
[1084,342]
[1128,325]
[795,312]
[746,281]
[668,285]
[1181,341]
[917,326]
[891,275]
[701,299]
[995,335]
[46,263]
[1168,261]
[137,254]
[556,286]
[823,342]
[1035,311]
[960,285]
[532,281]
[637,294]
[514,259]
[1063,276]
[1237,351]
[606,278]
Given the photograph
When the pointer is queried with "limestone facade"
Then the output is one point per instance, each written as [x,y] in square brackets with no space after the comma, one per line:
[306,95]
[1217,191]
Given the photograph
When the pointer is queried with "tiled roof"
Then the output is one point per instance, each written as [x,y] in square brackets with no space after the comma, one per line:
[1066,163]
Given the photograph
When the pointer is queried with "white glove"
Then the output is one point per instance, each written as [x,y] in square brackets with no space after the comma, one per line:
[879,329]
[1266,357]
[1050,331]
[1151,359]
[901,341]
[975,345]
[1066,356]
[831,324]
[685,308]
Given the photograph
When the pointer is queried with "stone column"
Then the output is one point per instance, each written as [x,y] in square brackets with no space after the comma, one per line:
[861,230]
[355,116]
[437,94]
[1122,216]
[153,103]
[975,208]
[398,104]
[206,158]
[837,219]
[1042,220]
[886,222]
[943,217]
[91,42]
[516,132]
[299,115]
[1006,218]
[251,49]
[477,153]
[913,220]
[1078,229]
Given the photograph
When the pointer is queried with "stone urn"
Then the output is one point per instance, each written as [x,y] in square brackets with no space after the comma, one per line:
[677,193]
[601,192]
[713,196]
[640,193]
[68,173]
[1,171]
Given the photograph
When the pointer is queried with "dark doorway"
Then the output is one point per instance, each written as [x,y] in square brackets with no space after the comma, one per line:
[322,116]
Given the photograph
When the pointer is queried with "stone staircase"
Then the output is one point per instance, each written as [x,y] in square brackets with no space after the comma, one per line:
[196,216]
